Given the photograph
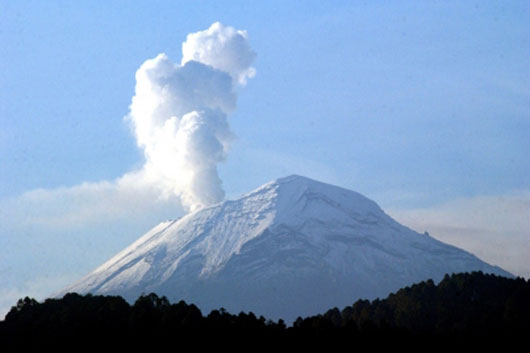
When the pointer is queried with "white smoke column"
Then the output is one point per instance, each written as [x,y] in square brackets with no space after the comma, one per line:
[179,113]
[221,47]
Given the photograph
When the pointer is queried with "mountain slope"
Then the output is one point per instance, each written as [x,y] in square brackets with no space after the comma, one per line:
[293,247]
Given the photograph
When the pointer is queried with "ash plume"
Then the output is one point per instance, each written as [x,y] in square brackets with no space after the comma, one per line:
[179,113]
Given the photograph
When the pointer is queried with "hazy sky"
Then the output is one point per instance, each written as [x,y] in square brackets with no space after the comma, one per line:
[422,106]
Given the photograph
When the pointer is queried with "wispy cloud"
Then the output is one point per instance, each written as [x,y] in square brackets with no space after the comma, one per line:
[125,198]
[495,228]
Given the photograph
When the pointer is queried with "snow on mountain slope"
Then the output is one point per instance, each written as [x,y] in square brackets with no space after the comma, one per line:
[293,247]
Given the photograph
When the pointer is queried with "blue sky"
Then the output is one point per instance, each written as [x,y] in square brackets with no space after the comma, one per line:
[422,106]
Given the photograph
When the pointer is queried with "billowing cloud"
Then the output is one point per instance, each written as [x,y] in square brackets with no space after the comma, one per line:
[178,116]
[223,48]
[179,113]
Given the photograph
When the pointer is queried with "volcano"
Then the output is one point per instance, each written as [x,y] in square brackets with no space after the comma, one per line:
[293,247]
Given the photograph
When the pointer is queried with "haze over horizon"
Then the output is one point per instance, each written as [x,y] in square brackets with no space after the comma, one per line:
[423,108]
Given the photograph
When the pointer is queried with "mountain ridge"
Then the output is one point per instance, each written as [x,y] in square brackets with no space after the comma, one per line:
[291,247]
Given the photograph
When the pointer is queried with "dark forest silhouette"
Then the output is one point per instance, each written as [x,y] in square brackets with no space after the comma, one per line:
[473,309]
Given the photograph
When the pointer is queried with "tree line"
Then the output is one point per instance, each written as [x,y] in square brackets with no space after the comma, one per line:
[474,309]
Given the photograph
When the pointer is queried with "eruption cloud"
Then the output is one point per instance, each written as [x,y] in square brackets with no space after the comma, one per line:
[179,114]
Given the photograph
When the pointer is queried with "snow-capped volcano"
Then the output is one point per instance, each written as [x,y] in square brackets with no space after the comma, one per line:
[293,247]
